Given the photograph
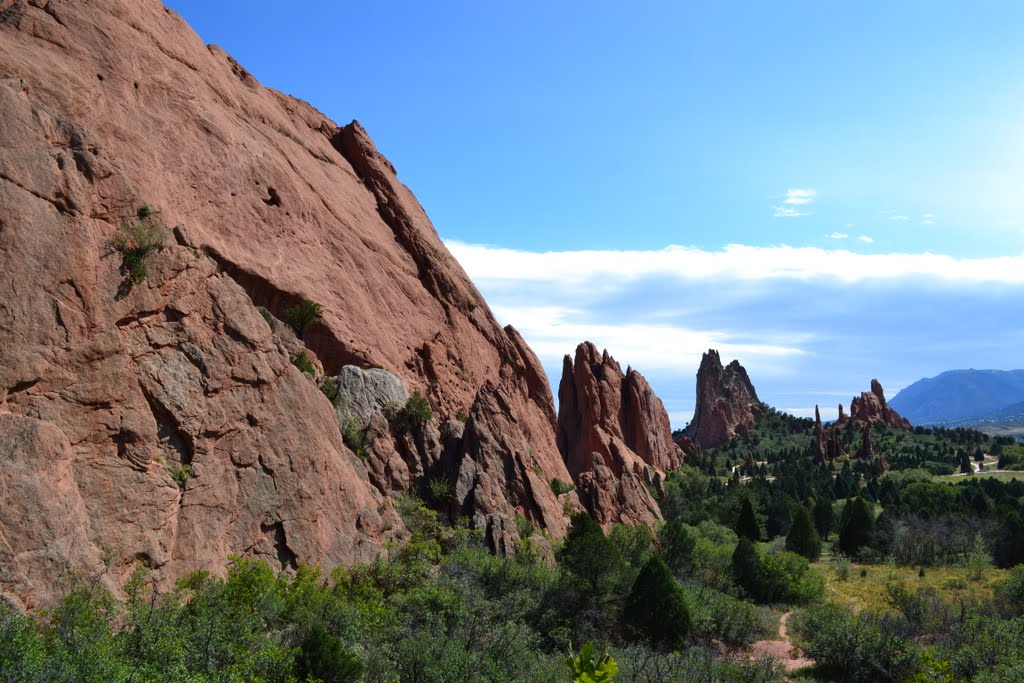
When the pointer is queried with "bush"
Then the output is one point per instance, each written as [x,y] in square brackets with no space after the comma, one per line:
[325,658]
[415,413]
[559,487]
[300,316]
[439,491]
[181,474]
[657,607]
[136,242]
[329,387]
[303,362]
[355,435]
[856,648]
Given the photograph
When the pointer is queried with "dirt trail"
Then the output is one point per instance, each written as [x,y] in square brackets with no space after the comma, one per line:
[782,649]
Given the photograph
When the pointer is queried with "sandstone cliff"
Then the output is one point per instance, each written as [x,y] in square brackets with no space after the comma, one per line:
[726,402]
[158,419]
[614,435]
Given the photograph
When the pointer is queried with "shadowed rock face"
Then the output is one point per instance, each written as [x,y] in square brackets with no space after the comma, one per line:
[107,389]
[726,402]
[871,407]
[617,417]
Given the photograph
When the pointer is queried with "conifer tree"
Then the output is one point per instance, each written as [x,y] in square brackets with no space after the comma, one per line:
[657,607]
[855,526]
[746,523]
[803,538]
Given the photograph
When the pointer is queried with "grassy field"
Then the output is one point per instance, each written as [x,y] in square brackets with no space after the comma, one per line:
[1004,475]
[868,592]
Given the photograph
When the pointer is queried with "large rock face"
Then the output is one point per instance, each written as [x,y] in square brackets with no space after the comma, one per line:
[871,407]
[611,428]
[726,402]
[107,389]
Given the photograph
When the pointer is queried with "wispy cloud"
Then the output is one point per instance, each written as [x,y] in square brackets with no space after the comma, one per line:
[799,197]
[658,310]
[928,219]
[733,262]
[838,236]
[795,197]
[899,217]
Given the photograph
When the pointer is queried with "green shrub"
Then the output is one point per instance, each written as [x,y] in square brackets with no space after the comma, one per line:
[439,490]
[181,474]
[415,412]
[269,318]
[136,242]
[656,606]
[559,487]
[300,316]
[587,667]
[355,435]
[325,658]
[303,362]
[803,537]
[329,387]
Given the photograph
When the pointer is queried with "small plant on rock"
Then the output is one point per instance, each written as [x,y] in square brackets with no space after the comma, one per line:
[181,474]
[300,316]
[136,242]
[303,362]
[559,487]
[355,435]
[330,390]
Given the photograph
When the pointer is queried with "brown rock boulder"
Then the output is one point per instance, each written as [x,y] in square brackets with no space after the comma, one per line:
[726,402]
[871,407]
[619,418]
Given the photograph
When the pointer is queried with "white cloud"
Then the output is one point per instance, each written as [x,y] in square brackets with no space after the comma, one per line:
[799,197]
[838,236]
[928,219]
[787,212]
[609,270]
[899,217]
[795,197]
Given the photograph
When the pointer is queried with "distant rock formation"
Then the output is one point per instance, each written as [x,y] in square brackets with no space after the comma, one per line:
[726,402]
[820,446]
[842,419]
[871,407]
[867,448]
[617,418]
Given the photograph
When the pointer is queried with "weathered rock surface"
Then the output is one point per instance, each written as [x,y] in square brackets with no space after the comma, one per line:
[107,389]
[871,407]
[726,402]
[603,412]
[364,393]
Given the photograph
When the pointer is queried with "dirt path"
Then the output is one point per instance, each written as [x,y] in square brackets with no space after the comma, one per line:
[782,649]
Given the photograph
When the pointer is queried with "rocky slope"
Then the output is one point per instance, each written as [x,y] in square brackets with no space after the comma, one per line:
[726,402]
[160,421]
[614,435]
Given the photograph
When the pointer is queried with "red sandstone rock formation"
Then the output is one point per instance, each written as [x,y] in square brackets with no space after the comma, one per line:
[871,407]
[603,412]
[820,445]
[867,448]
[726,402]
[107,389]
[842,419]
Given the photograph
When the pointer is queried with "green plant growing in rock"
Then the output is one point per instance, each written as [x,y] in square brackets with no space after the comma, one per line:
[181,474]
[589,667]
[300,316]
[559,487]
[439,491]
[415,412]
[136,242]
[269,318]
[302,361]
[329,387]
[355,435]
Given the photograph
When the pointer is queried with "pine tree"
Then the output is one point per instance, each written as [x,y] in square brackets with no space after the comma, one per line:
[823,517]
[855,526]
[676,546]
[747,569]
[802,538]
[657,606]
[589,554]
[965,463]
[746,524]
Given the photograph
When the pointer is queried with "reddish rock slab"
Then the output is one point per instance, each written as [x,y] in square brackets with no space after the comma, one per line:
[727,403]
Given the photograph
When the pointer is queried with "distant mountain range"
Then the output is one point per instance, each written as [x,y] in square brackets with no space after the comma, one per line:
[964,398]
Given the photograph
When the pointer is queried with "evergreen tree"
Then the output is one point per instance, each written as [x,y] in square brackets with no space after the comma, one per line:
[965,463]
[780,516]
[676,546]
[803,538]
[855,526]
[589,554]
[823,517]
[657,606]
[747,570]
[746,524]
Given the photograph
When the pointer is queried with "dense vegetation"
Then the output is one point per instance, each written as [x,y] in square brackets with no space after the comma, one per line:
[679,602]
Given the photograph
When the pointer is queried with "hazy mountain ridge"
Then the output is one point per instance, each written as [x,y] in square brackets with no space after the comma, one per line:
[960,396]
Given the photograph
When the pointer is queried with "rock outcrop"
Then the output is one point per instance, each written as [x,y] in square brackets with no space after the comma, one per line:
[614,435]
[159,421]
[726,402]
[871,407]
[828,445]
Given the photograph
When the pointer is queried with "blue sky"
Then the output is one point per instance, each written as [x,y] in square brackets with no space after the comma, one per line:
[871,129]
